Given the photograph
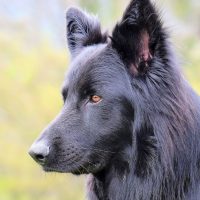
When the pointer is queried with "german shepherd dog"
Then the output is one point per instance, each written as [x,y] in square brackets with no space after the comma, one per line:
[129,120]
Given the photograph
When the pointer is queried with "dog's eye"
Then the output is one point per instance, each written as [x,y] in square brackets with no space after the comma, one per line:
[95,99]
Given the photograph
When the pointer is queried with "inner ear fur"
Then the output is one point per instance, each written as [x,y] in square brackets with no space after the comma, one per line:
[137,35]
[83,30]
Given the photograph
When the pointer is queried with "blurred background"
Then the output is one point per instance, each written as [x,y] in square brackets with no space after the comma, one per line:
[33,60]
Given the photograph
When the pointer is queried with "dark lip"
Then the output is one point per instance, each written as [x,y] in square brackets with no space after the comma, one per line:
[87,169]
[50,169]
[73,171]
[76,171]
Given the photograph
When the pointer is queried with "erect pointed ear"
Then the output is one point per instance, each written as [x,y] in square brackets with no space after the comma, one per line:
[138,35]
[82,30]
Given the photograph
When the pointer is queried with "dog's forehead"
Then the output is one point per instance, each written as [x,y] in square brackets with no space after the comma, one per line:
[98,66]
[83,62]
[85,57]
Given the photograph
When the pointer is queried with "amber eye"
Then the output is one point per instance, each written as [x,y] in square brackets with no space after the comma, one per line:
[95,99]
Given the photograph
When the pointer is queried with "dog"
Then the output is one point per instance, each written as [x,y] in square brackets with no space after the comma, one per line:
[129,120]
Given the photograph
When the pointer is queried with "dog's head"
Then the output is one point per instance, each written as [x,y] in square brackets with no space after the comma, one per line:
[100,90]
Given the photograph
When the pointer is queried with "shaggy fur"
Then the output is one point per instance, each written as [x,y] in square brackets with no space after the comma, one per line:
[141,141]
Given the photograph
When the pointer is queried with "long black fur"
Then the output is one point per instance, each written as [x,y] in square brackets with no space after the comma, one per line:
[142,140]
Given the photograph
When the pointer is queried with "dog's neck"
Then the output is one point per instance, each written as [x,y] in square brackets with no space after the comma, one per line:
[120,181]
[103,186]
[109,183]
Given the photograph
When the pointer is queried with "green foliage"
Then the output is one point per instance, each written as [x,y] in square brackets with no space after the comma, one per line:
[30,98]
[31,77]
[192,62]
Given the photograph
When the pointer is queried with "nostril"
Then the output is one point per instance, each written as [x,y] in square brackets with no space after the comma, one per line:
[39,152]
[40,157]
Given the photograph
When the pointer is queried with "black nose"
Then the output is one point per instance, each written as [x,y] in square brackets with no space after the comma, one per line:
[39,152]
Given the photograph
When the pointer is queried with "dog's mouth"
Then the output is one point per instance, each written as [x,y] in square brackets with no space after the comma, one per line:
[88,168]
[53,169]
[76,169]
[74,162]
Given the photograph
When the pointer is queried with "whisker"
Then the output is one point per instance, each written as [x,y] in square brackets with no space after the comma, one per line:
[96,149]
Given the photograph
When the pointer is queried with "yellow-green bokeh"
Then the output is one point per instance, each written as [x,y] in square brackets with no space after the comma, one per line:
[32,67]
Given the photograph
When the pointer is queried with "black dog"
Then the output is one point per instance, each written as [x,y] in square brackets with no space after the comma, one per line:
[129,118]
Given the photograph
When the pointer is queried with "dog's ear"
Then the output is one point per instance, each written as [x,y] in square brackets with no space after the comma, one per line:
[138,35]
[82,30]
